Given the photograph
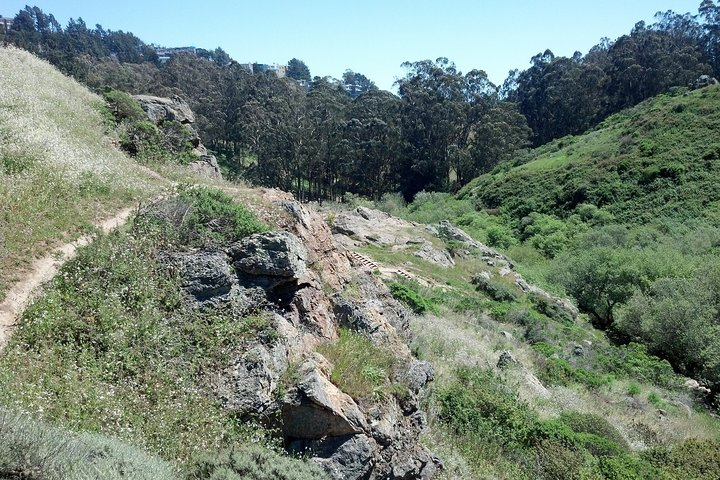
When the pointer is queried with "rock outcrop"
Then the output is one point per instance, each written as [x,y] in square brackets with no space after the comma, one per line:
[306,285]
[161,109]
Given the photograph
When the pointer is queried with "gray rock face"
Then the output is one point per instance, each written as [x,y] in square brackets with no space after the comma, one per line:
[345,457]
[206,275]
[269,259]
[159,109]
[448,231]
[506,360]
[248,386]
[419,374]
[704,81]
[320,409]
[207,166]
[434,255]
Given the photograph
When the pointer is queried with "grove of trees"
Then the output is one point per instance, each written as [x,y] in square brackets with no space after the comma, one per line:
[323,137]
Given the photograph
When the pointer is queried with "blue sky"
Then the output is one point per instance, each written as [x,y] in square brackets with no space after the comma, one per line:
[372,37]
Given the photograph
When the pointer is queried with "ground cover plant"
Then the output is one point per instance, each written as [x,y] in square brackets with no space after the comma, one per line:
[111,348]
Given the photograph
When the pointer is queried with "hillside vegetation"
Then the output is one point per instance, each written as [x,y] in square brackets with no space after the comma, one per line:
[658,161]
[58,171]
[623,219]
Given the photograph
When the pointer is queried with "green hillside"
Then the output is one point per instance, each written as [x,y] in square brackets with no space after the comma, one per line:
[58,170]
[658,160]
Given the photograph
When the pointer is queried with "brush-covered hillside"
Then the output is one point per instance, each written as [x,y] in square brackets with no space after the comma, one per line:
[59,172]
[216,332]
[619,221]
[658,161]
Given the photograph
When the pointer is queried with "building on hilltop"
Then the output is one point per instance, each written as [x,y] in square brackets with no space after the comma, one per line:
[5,24]
[255,68]
[164,53]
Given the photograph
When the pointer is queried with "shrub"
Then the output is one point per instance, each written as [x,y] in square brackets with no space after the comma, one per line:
[251,462]
[499,236]
[557,371]
[408,292]
[556,460]
[32,449]
[213,216]
[123,106]
[593,424]
[546,349]
[497,289]
[479,408]
[632,360]
[360,368]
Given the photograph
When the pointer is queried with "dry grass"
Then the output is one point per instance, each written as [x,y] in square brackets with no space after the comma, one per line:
[58,171]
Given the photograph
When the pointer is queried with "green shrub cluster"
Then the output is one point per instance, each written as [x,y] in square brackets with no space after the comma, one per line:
[251,462]
[409,293]
[489,422]
[558,371]
[211,216]
[632,360]
[496,288]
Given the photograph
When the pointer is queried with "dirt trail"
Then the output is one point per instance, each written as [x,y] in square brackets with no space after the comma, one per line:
[43,270]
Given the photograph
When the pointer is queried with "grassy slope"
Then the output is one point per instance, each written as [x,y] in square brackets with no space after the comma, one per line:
[58,171]
[656,160]
[507,427]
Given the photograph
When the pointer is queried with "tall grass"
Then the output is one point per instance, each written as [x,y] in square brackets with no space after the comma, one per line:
[58,172]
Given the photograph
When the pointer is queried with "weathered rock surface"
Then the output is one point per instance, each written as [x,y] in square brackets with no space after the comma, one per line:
[269,259]
[344,457]
[207,166]
[159,109]
[506,360]
[319,409]
[206,275]
[704,81]
[248,387]
[162,109]
[374,227]
[287,383]
[434,255]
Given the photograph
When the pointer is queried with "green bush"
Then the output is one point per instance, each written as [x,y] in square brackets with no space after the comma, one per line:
[632,360]
[558,371]
[408,292]
[251,462]
[212,216]
[480,409]
[495,288]
[593,424]
[123,106]
[546,349]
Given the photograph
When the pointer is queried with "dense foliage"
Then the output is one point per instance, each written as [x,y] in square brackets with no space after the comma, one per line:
[489,420]
[323,137]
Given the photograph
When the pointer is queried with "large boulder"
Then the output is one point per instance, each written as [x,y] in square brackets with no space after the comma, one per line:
[319,409]
[206,275]
[434,255]
[269,259]
[345,457]
[248,387]
[160,109]
[206,166]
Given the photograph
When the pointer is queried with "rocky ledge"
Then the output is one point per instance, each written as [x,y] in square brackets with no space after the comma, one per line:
[310,289]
